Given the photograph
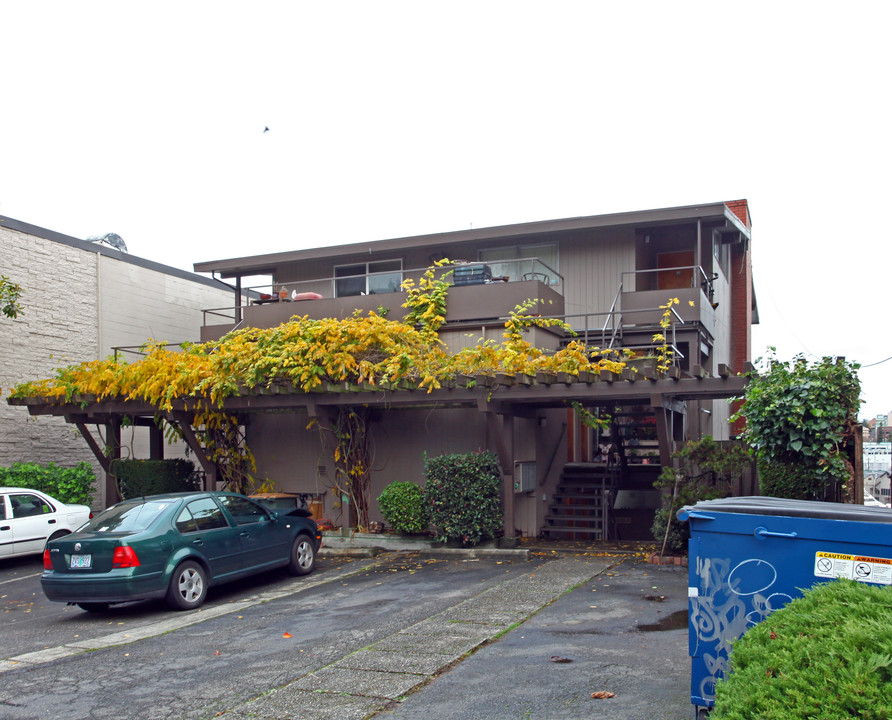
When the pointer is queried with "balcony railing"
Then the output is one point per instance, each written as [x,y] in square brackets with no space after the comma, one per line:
[474,273]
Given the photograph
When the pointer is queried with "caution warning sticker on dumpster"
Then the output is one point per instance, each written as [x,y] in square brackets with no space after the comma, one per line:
[853,567]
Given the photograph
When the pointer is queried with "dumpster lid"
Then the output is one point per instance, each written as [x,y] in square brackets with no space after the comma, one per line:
[761,505]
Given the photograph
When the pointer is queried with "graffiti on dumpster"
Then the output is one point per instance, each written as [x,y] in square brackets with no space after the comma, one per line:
[729,600]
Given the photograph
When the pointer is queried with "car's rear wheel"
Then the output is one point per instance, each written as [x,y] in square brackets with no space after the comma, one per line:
[56,535]
[93,607]
[303,556]
[188,586]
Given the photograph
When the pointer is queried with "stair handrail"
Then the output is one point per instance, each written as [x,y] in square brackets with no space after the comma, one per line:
[611,315]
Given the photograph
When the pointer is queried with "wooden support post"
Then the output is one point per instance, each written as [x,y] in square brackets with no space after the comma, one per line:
[664,429]
[156,442]
[113,441]
[501,434]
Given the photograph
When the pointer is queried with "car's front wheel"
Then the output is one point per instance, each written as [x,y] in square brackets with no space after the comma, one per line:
[188,586]
[303,556]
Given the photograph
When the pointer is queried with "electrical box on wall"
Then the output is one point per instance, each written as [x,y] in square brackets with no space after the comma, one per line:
[524,477]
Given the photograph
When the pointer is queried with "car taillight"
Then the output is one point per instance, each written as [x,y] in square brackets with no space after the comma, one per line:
[47,563]
[125,557]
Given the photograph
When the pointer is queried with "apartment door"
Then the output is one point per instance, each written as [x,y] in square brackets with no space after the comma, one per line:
[671,278]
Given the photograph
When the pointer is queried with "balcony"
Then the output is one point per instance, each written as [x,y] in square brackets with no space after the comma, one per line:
[697,297]
[478,297]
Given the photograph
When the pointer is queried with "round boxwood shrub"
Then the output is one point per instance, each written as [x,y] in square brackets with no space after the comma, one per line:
[404,508]
[825,656]
[464,496]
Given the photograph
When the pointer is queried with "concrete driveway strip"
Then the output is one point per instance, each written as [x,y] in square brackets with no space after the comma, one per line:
[365,682]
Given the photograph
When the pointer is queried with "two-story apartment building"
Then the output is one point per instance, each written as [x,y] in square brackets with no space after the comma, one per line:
[607,276]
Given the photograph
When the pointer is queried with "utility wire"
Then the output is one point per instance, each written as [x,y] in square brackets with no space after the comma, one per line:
[877,363]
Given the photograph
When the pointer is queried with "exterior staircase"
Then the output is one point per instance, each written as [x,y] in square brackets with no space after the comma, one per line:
[612,498]
[581,502]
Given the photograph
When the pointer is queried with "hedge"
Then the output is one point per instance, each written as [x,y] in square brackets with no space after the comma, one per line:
[464,496]
[824,656]
[69,485]
[137,478]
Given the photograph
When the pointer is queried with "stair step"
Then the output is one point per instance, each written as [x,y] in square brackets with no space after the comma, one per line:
[590,533]
[586,522]
[560,508]
[579,490]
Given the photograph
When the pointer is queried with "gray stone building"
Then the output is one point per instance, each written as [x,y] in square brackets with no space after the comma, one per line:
[80,300]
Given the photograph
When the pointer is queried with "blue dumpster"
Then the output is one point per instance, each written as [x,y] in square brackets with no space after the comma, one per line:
[749,556]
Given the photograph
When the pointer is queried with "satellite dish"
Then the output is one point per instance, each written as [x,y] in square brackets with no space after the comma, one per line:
[111,239]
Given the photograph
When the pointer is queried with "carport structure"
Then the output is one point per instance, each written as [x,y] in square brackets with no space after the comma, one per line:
[500,399]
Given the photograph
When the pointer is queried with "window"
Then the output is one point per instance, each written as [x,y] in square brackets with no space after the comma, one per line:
[207,514]
[516,261]
[185,522]
[28,505]
[243,511]
[370,278]
[128,516]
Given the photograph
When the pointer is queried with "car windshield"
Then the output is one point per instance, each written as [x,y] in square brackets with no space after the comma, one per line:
[127,517]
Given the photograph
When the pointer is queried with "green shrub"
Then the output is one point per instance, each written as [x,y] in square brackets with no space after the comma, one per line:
[137,478]
[464,496]
[794,480]
[70,485]
[404,507]
[825,656]
[800,417]
[706,470]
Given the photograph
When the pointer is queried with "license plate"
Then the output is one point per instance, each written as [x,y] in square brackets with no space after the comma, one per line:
[81,561]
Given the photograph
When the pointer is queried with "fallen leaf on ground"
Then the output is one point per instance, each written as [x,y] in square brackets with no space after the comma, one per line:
[603,695]
[559,659]
[655,598]
[287,635]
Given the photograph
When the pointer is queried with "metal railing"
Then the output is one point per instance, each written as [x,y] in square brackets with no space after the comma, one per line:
[699,278]
[498,271]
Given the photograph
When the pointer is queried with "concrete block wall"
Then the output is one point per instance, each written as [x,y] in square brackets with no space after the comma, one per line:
[58,326]
[79,301]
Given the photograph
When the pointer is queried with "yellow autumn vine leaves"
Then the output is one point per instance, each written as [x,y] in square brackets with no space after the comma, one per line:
[306,353]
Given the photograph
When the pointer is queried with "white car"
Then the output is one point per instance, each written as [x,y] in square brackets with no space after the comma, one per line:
[28,518]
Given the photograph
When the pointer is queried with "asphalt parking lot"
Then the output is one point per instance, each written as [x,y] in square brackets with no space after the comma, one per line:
[398,636]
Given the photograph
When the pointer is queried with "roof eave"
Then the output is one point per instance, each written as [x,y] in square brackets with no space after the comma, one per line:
[264,264]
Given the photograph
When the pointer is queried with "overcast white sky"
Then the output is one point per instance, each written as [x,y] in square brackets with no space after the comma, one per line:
[398,118]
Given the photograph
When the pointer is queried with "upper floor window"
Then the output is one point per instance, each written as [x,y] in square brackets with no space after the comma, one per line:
[369,278]
[518,262]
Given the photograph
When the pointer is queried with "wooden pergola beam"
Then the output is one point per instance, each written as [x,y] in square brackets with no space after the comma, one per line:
[184,422]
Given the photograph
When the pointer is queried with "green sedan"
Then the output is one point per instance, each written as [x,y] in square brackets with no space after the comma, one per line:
[174,547]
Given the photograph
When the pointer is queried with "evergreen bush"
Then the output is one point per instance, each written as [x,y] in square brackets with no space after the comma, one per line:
[706,471]
[464,496]
[825,656]
[404,508]
[137,478]
[793,480]
[69,485]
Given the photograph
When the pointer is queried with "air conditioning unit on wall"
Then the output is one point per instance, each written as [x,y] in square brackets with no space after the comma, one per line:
[524,477]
